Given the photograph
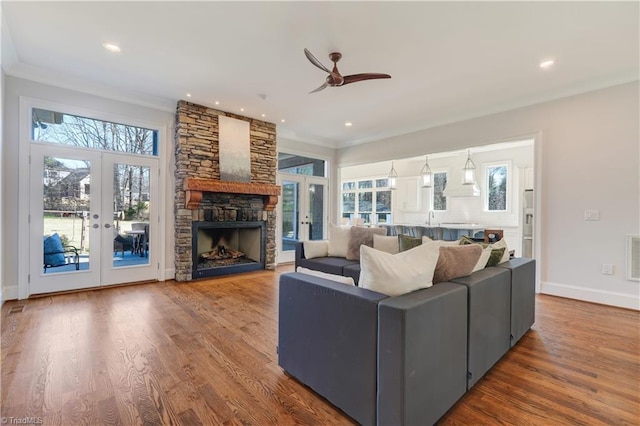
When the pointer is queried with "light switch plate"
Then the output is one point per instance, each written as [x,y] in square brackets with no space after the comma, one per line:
[592,215]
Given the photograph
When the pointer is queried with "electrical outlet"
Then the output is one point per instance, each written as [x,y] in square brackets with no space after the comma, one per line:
[592,215]
[607,269]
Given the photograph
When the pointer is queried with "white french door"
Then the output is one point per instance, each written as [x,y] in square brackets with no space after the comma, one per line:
[78,194]
[302,212]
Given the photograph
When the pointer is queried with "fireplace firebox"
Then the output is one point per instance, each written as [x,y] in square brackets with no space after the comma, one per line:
[221,248]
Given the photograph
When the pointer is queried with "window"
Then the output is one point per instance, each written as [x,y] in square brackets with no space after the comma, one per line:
[298,165]
[439,201]
[497,184]
[368,199]
[73,130]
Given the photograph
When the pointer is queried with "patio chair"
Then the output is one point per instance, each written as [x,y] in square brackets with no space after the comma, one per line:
[56,254]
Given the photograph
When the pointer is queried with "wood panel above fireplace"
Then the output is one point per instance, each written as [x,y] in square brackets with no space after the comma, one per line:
[194,188]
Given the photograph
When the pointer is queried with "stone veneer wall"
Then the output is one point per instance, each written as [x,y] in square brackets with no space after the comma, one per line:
[197,156]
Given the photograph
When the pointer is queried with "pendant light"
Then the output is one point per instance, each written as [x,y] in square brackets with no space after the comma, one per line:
[469,171]
[393,178]
[426,175]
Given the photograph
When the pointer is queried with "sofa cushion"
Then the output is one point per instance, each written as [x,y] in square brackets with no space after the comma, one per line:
[338,240]
[325,275]
[388,244]
[395,274]
[407,242]
[456,261]
[353,271]
[331,265]
[313,249]
[359,236]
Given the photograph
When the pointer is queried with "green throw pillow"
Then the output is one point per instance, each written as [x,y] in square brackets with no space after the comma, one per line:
[496,254]
[405,242]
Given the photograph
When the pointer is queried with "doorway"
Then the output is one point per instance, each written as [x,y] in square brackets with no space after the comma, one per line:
[92,188]
[303,209]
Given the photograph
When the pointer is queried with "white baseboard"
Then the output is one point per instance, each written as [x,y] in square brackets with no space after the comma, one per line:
[621,300]
[9,293]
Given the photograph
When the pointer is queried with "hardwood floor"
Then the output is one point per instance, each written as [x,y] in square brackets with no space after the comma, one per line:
[205,353]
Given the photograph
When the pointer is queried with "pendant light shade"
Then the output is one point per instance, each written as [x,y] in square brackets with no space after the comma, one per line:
[393,178]
[469,171]
[426,175]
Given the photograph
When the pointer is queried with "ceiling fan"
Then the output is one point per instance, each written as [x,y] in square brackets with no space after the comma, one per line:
[334,78]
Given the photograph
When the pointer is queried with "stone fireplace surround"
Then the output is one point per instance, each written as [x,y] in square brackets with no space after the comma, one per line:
[201,196]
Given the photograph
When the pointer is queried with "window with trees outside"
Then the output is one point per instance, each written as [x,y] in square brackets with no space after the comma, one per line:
[368,199]
[439,201]
[497,183]
[130,182]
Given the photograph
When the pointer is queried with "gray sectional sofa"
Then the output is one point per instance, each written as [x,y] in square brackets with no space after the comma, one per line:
[402,360]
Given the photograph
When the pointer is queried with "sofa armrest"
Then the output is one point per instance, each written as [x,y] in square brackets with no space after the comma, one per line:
[422,354]
[299,253]
[327,339]
[523,295]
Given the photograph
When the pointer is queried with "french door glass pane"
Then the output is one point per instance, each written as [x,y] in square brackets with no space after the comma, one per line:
[316,211]
[131,203]
[66,203]
[290,219]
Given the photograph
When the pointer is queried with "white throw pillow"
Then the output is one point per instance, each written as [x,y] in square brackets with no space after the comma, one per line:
[338,240]
[396,274]
[387,244]
[500,244]
[326,275]
[484,258]
[315,249]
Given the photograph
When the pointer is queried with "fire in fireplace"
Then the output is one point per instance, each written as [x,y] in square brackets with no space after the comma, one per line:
[221,248]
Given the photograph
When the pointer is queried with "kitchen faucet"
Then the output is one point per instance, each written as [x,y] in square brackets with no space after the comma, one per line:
[430,215]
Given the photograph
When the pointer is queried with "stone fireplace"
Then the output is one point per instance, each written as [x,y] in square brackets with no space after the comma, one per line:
[213,215]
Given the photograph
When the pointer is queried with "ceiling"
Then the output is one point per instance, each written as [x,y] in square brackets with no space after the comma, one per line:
[448,60]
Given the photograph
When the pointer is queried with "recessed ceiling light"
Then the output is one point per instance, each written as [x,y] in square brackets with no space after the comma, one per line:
[188,95]
[282,121]
[111,47]
[548,63]
[217,102]
[264,115]
[242,109]
[348,124]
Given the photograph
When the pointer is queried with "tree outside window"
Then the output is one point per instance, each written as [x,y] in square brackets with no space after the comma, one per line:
[439,184]
[497,188]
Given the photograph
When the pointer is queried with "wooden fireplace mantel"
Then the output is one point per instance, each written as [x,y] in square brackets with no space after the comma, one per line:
[194,188]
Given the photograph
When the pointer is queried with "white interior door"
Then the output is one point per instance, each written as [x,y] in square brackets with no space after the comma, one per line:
[78,195]
[302,212]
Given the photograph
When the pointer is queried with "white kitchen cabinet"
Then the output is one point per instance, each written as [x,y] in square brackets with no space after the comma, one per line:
[406,196]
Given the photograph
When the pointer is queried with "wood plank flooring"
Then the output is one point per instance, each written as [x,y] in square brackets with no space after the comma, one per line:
[205,353]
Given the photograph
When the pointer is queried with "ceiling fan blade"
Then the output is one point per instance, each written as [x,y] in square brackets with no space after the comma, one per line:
[315,61]
[360,77]
[324,86]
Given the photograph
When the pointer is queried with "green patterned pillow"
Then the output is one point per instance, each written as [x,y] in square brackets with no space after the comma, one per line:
[405,242]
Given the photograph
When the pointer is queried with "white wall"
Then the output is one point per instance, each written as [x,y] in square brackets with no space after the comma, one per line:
[587,157]
[14,89]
